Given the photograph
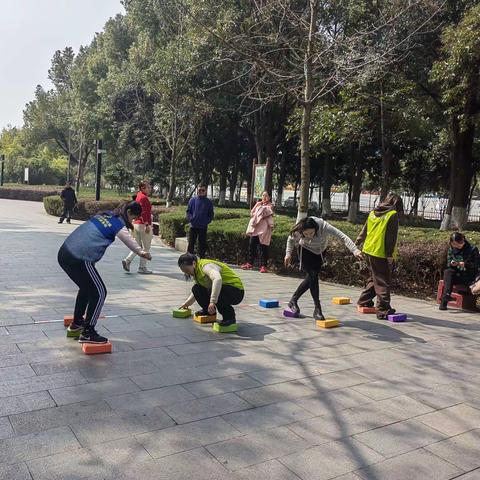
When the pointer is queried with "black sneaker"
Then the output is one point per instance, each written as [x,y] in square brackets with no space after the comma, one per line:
[443,305]
[368,304]
[384,315]
[293,306]
[317,313]
[226,323]
[202,313]
[60,221]
[68,220]
[91,336]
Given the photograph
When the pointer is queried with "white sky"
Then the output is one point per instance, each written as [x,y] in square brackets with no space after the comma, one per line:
[30,33]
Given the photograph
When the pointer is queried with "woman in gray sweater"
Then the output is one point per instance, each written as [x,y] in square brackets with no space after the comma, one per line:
[311,236]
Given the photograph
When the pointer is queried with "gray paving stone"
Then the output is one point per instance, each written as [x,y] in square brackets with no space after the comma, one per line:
[197,464]
[14,472]
[207,388]
[48,418]
[401,437]
[35,445]
[461,450]
[337,424]
[341,399]
[148,399]
[16,371]
[276,393]
[186,437]
[20,386]
[25,403]
[330,460]
[271,470]
[270,416]
[165,378]
[475,475]
[256,448]
[453,420]
[206,407]
[404,407]
[120,425]
[91,391]
[417,464]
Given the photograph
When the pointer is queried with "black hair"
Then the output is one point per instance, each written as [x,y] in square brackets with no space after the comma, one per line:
[187,260]
[122,211]
[304,224]
[143,184]
[457,237]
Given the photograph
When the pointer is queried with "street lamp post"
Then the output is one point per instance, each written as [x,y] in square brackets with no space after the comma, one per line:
[98,173]
[2,170]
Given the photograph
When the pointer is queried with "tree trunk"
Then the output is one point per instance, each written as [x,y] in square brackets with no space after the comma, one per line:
[281,178]
[354,203]
[326,188]
[387,155]
[307,113]
[223,183]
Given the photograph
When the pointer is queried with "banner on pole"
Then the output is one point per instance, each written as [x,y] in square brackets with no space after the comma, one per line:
[259,180]
[26,175]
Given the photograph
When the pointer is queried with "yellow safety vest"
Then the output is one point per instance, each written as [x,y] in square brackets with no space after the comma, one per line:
[376,231]
[229,277]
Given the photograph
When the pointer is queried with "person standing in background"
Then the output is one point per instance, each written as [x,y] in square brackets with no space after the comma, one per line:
[69,201]
[142,228]
[199,214]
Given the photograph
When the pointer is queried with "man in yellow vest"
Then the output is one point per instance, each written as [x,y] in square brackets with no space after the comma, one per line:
[217,287]
[378,240]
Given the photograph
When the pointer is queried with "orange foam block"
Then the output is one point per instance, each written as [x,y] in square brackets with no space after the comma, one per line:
[67,320]
[95,348]
[366,309]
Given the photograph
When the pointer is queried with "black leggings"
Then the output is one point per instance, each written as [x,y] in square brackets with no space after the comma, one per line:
[228,296]
[311,265]
[254,245]
[452,276]
[92,291]
[67,212]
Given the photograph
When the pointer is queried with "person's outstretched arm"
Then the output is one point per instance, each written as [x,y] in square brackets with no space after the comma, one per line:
[331,230]
[124,236]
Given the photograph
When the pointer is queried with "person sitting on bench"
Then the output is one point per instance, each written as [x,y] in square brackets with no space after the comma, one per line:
[463,263]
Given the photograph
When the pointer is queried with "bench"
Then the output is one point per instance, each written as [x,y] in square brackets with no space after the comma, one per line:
[462,297]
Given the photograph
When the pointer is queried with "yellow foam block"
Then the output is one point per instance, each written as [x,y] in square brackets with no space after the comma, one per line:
[341,300]
[328,323]
[205,318]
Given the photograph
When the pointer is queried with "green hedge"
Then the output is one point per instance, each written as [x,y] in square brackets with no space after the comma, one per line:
[175,224]
[32,194]
[422,251]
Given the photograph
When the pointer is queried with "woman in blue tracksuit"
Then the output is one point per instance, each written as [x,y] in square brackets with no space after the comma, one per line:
[84,247]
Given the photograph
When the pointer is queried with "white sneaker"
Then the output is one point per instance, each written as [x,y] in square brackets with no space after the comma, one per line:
[144,271]
[126,265]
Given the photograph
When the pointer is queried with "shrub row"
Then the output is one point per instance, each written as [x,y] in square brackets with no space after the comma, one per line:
[31,194]
[422,251]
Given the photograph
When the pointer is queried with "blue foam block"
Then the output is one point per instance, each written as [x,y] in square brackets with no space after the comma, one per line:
[268,303]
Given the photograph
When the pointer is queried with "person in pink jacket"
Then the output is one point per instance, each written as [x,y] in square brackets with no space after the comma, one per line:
[260,230]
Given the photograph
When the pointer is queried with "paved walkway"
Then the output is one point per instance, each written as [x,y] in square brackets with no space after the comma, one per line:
[281,400]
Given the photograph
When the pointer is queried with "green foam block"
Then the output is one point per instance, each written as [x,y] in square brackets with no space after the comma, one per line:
[73,334]
[230,329]
[182,313]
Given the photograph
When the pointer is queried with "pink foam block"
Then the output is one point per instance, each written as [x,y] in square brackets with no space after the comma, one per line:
[397,317]
[288,313]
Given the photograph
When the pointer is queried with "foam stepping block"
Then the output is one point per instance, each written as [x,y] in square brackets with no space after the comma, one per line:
[67,320]
[229,329]
[397,317]
[268,303]
[366,309]
[75,334]
[328,323]
[288,313]
[205,318]
[96,348]
[341,300]
[182,313]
